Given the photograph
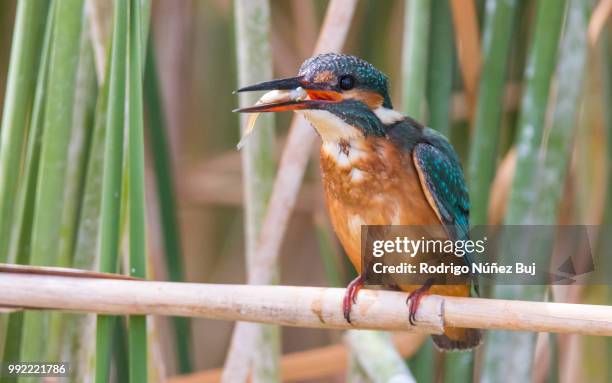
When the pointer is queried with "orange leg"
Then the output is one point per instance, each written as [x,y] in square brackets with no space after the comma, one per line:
[414,298]
[350,297]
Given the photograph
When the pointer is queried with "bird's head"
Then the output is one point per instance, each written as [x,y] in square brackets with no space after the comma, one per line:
[343,96]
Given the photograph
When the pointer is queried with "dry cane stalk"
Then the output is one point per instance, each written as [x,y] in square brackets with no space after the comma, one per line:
[313,307]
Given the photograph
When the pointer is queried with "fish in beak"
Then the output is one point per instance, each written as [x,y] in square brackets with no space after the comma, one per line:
[285,95]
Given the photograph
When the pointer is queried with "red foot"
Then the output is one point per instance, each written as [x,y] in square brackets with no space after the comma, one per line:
[350,297]
[414,298]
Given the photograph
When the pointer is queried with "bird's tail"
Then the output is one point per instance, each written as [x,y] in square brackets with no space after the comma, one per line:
[458,339]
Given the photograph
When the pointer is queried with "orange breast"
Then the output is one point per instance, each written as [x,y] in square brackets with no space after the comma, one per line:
[380,186]
[376,185]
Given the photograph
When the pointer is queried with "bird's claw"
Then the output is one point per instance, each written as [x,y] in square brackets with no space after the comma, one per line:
[350,296]
[414,299]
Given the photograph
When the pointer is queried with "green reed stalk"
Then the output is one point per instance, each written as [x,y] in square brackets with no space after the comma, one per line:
[538,76]
[19,251]
[499,23]
[441,62]
[164,178]
[553,162]
[27,40]
[254,65]
[80,144]
[112,177]
[507,353]
[422,363]
[414,56]
[86,255]
[120,353]
[137,223]
[53,160]
[80,147]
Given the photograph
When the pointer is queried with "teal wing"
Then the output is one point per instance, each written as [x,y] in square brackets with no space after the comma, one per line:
[442,180]
[440,175]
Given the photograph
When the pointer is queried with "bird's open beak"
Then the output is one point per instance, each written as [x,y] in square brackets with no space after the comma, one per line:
[292,93]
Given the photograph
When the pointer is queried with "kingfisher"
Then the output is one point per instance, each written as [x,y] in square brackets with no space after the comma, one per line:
[378,167]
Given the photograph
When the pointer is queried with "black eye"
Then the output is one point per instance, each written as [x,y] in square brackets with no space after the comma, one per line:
[346,82]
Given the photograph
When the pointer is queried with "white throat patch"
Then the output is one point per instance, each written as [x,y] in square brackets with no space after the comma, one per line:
[341,141]
[330,127]
[344,143]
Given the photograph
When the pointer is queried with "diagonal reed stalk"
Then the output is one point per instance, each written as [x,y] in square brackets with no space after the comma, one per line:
[499,22]
[137,225]
[53,160]
[112,176]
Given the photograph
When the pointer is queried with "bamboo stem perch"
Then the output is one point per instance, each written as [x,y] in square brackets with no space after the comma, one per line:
[296,306]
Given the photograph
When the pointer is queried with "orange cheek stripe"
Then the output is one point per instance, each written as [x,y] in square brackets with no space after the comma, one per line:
[371,99]
[327,95]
